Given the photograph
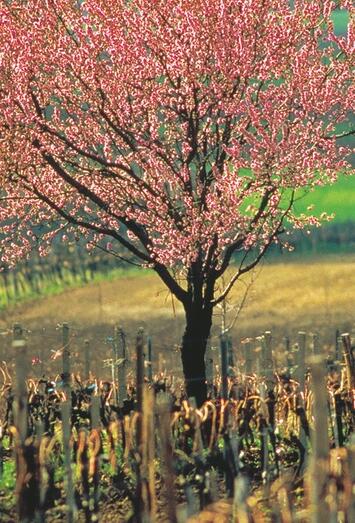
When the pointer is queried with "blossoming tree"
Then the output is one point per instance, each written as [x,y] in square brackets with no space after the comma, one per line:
[177,129]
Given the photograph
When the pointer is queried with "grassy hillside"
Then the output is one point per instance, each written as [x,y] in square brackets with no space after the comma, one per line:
[340,19]
[285,297]
[338,198]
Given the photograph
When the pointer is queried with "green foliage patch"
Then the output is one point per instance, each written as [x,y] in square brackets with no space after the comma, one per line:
[337,199]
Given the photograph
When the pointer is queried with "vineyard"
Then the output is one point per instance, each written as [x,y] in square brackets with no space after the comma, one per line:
[69,266]
[66,266]
[121,442]
[210,144]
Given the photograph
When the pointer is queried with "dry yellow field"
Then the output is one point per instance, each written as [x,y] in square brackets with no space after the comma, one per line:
[284,297]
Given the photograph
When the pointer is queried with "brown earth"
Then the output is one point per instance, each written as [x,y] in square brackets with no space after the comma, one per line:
[315,296]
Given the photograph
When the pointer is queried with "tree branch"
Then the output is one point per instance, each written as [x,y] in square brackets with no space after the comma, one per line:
[172,284]
[242,270]
[342,135]
[90,226]
[239,242]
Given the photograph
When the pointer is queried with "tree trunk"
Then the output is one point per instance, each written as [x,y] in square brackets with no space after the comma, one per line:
[194,342]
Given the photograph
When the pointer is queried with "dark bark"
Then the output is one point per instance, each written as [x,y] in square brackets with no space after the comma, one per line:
[194,342]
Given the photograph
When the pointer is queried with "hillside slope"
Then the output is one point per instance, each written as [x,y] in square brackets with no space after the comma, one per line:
[338,198]
[285,297]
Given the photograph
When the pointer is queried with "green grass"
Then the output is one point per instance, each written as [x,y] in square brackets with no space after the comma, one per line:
[8,477]
[53,288]
[7,487]
[338,198]
[340,19]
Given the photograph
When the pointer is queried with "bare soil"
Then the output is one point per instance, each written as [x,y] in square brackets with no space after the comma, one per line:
[316,296]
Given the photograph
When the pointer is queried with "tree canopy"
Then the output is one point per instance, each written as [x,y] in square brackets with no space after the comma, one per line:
[180,129]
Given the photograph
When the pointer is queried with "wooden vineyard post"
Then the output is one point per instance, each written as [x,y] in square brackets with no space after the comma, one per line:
[198,441]
[267,393]
[211,485]
[224,367]
[230,449]
[283,508]
[318,467]
[257,353]
[42,474]
[140,507]
[337,347]
[150,359]
[288,357]
[66,361]
[17,331]
[209,367]
[351,453]
[83,472]
[349,361]
[166,452]
[96,448]
[69,485]
[193,502]
[301,360]
[114,367]
[41,361]
[122,357]
[230,357]
[113,380]
[264,434]
[1,458]
[300,377]
[160,363]
[147,451]
[140,368]
[267,361]
[87,356]
[21,365]
[24,490]
[315,345]
[240,507]
[248,357]
[95,408]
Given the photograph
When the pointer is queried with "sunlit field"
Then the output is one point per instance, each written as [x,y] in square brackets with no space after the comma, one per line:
[190,138]
[337,200]
[314,295]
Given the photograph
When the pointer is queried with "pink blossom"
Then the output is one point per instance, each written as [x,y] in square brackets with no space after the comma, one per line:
[157,124]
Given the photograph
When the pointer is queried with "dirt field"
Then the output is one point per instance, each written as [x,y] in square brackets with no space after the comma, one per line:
[315,296]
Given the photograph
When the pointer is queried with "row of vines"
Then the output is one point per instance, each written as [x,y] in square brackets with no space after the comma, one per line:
[272,443]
